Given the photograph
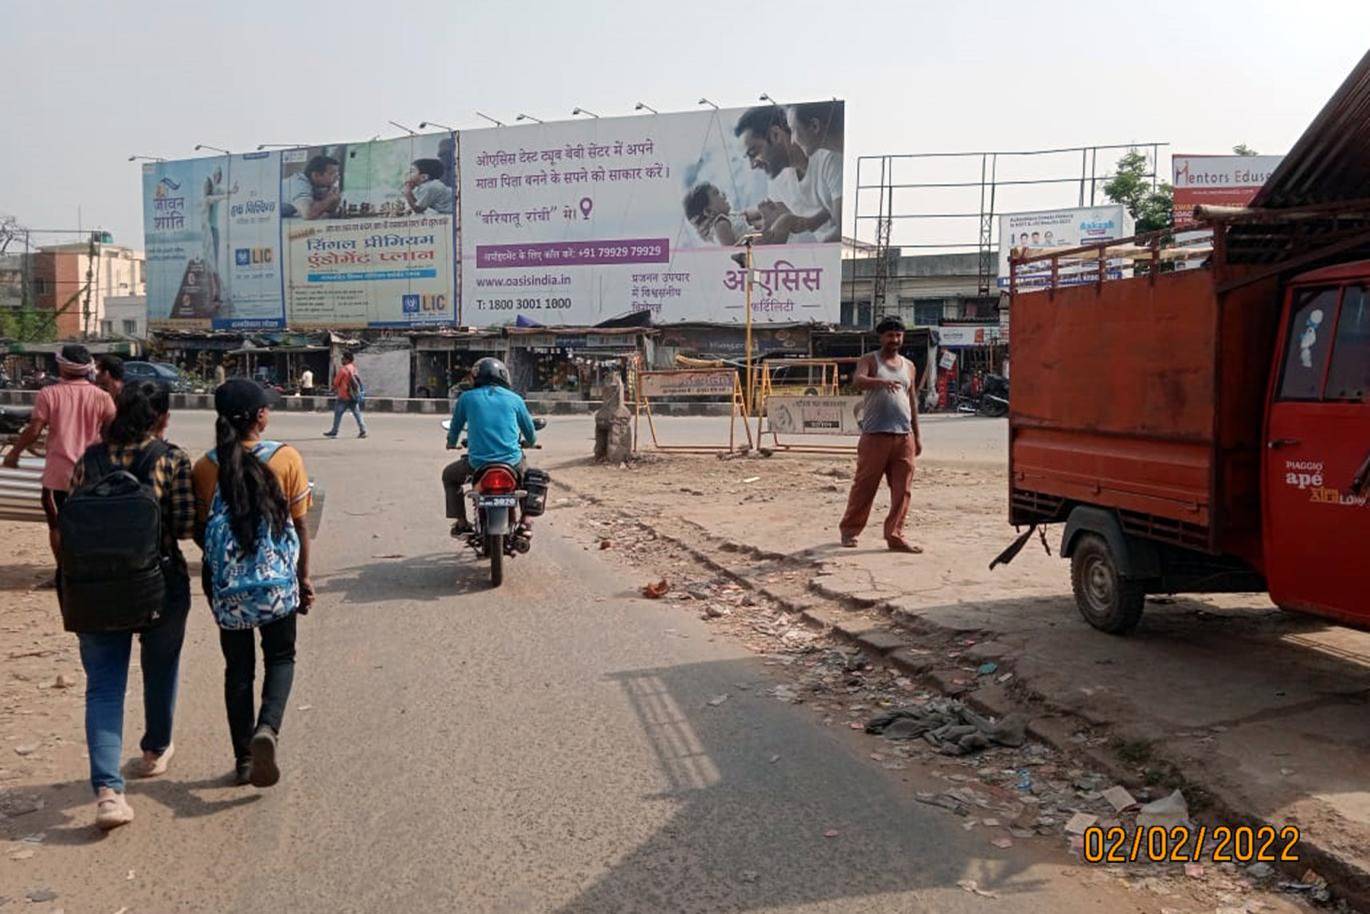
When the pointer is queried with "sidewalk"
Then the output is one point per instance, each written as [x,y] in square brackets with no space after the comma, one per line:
[1264,711]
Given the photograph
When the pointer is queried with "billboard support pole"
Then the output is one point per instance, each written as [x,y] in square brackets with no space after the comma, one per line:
[747,357]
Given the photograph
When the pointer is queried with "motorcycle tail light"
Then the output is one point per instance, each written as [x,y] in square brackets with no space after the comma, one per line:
[497,481]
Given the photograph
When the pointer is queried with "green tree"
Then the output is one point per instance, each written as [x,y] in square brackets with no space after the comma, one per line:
[1242,149]
[27,325]
[1153,208]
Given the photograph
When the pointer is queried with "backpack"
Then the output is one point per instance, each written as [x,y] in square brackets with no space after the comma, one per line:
[247,590]
[113,572]
[356,390]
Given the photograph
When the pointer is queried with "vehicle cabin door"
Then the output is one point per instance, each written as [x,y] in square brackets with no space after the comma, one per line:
[1317,529]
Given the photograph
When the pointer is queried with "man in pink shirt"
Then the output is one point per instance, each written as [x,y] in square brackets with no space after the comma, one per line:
[348,393]
[75,413]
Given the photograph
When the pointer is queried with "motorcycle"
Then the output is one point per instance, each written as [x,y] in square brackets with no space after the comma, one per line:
[12,422]
[994,397]
[504,506]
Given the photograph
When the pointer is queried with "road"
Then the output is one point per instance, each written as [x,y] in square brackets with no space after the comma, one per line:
[546,747]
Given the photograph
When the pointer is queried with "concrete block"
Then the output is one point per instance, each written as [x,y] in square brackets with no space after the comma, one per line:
[880,640]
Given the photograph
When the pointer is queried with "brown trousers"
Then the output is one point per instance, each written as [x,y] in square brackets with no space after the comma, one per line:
[880,456]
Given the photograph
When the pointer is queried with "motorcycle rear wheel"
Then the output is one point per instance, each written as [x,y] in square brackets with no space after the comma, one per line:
[494,544]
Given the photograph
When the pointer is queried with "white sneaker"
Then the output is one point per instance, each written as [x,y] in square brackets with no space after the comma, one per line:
[111,810]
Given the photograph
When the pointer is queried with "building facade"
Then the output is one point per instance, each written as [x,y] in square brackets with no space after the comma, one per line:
[923,290]
[58,276]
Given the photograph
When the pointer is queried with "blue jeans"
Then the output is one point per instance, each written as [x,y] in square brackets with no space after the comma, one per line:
[341,406]
[105,658]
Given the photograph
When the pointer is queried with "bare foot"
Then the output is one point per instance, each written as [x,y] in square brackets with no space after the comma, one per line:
[905,546]
[849,542]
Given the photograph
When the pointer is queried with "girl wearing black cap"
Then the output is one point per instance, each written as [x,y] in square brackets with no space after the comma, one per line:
[251,498]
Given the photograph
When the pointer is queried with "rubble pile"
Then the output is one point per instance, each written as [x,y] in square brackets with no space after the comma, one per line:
[950,727]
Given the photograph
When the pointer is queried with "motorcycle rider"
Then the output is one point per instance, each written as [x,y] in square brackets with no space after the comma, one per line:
[496,417]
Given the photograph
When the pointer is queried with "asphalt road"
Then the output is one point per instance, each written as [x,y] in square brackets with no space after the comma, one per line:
[545,747]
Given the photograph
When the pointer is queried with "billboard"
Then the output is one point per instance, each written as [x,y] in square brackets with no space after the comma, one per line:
[1222,180]
[1060,228]
[581,221]
[211,230]
[368,232]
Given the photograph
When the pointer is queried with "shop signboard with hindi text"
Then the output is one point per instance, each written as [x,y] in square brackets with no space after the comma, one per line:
[840,416]
[211,231]
[580,221]
[368,233]
[693,382]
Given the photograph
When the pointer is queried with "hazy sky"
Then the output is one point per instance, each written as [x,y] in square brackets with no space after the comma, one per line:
[92,82]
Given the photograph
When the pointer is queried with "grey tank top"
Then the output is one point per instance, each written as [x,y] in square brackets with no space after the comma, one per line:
[887,411]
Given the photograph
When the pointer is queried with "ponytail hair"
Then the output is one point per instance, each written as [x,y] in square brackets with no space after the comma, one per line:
[139,409]
[249,490]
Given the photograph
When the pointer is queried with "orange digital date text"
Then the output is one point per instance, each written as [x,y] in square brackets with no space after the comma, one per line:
[1179,844]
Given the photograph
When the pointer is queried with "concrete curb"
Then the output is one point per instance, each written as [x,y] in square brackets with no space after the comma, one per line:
[1047,722]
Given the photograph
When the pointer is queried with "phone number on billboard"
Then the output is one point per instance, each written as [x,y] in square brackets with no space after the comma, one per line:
[523,304]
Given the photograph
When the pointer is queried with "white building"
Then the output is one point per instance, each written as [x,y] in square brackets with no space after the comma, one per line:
[125,317]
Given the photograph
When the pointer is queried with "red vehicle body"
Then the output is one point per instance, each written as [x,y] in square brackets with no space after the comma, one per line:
[1198,430]
[1208,429]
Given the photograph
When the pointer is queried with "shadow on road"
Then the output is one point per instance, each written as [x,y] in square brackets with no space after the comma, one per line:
[439,576]
[759,794]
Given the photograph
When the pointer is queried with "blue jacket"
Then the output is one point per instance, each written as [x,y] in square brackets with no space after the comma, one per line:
[496,417]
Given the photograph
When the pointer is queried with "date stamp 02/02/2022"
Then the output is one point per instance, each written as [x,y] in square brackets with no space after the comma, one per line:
[1184,844]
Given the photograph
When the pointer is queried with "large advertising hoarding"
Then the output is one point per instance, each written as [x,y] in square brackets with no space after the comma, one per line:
[368,233]
[581,221]
[211,230]
[1223,180]
[1060,228]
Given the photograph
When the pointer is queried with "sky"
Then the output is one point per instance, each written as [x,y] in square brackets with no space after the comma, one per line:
[91,83]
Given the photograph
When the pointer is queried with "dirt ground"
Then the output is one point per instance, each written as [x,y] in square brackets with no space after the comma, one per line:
[1262,712]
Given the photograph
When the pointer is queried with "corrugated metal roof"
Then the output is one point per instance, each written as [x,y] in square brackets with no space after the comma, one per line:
[1331,161]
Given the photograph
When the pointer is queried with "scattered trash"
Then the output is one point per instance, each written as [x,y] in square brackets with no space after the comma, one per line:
[1118,797]
[988,669]
[831,833]
[973,887]
[774,759]
[1260,870]
[1167,812]
[1079,823]
[388,555]
[951,727]
[718,700]
[130,876]
[1004,678]
[26,749]
[750,479]
[305,708]
[1194,870]
[605,544]
[1002,843]
[38,895]
[1024,780]
[657,590]
[750,875]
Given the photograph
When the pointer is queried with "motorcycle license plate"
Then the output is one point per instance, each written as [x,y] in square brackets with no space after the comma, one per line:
[498,501]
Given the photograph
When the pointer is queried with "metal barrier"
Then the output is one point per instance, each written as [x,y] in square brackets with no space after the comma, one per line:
[691,382]
[21,491]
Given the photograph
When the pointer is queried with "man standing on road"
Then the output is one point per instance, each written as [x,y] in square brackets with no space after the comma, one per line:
[75,412]
[347,387]
[889,438]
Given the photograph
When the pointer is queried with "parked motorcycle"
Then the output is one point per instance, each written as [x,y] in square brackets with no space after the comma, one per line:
[504,507]
[994,396]
[12,422]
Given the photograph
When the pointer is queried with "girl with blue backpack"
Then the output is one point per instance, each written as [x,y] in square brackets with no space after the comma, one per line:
[252,496]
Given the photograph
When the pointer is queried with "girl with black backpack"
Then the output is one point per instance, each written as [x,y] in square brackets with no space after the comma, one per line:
[252,497]
[137,488]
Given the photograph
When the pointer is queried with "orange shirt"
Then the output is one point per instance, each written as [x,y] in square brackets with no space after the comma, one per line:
[286,464]
[342,381]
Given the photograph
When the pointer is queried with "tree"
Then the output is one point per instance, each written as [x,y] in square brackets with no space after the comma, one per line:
[1242,149]
[1153,208]
[27,325]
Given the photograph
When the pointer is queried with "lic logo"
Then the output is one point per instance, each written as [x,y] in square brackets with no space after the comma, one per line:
[417,304]
[243,257]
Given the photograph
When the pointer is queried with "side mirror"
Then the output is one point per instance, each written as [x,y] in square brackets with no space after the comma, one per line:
[539,424]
